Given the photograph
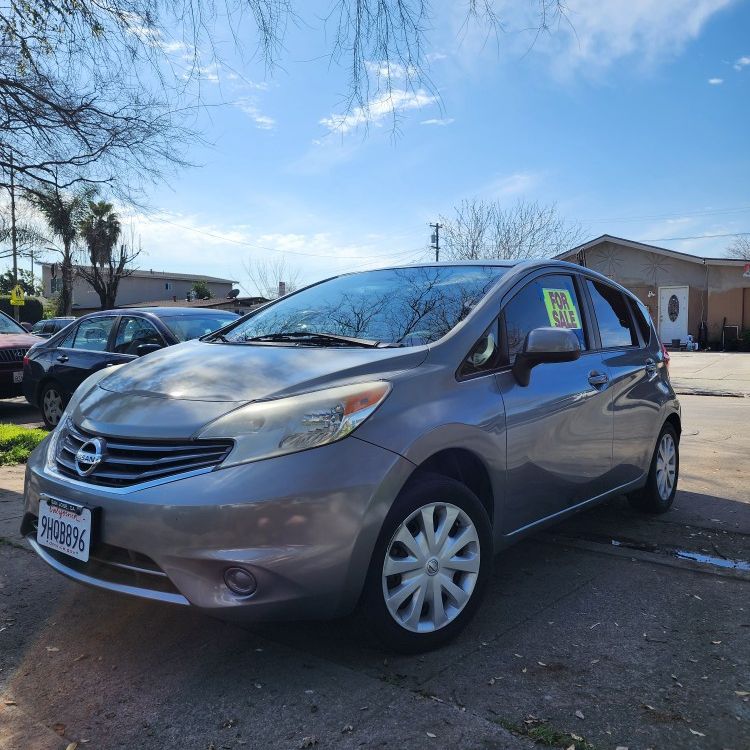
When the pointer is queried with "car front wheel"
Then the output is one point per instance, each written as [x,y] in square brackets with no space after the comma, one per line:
[430,567]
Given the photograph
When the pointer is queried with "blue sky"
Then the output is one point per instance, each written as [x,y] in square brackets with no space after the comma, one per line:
[636,125]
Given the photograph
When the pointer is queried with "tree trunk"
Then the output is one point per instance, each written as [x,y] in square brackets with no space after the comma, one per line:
[65,299]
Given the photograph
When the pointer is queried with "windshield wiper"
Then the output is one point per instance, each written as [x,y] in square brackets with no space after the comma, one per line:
[319,339]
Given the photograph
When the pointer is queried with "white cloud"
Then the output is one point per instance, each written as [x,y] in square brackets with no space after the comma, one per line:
[262,122]
[716,81]
[514,184]
[742,62]
[387,104]
[438,121]
[596,34]
[387,70]
[610,29]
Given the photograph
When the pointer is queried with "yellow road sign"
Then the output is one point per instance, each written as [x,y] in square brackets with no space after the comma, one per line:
[17,296]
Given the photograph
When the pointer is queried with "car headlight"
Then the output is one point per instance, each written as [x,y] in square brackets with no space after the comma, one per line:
[286,425]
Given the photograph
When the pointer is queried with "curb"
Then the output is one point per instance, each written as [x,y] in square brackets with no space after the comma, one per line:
[685,391]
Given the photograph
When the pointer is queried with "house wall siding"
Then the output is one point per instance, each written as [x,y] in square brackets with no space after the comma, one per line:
[715,291]
[133,289]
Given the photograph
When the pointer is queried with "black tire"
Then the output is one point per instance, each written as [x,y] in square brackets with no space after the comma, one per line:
[50,416]
[429,490]
[649,499]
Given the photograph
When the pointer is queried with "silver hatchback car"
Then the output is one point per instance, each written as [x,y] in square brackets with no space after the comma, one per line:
[371,440]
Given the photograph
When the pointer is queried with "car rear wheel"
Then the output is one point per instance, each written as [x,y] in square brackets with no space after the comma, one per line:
[430,567]
[52,403]
[661,486]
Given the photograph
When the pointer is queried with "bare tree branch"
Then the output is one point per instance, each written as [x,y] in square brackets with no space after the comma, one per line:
[481,229]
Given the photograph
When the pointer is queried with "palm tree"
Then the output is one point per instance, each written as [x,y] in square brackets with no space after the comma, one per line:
[100,230]
[62,213]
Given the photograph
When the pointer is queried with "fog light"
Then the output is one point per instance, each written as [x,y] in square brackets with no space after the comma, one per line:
[240,581]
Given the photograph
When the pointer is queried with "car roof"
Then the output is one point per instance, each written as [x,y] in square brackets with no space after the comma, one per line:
[158,312]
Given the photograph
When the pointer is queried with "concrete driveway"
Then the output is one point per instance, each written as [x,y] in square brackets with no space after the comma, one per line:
[603,632]
[711,373]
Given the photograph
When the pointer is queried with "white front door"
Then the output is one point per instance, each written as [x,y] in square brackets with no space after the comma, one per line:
[673,313]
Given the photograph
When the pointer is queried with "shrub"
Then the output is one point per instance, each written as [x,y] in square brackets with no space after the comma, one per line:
[30,312]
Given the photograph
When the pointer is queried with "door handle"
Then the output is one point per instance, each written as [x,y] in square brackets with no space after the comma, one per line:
[598,378]
[650,366]
[63,358]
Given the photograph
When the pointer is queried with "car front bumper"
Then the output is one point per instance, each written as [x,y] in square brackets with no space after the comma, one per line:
[303,524]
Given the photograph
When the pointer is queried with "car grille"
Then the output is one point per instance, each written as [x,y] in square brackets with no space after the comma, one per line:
[12,355]
[128,462]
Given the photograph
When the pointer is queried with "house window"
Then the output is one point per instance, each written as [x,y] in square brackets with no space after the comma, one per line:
[55,284]
[168,286]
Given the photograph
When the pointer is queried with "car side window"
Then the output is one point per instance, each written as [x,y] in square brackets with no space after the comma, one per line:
[92,335]
[616,327]
[133,332]
[486,355]
[67,341]
[549,301]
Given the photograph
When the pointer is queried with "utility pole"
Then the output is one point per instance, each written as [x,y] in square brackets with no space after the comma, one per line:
[435,240]
[13,237]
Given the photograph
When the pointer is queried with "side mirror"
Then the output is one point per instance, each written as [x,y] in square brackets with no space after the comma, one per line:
[545,345]
[144,349]
[27,326]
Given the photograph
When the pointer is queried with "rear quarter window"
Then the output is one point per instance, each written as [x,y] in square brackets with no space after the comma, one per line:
[642,321]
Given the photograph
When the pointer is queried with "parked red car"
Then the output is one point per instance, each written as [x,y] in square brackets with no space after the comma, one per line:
[14,343]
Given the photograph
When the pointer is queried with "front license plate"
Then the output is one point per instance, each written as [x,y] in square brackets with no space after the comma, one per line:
[18,376]
[65,527]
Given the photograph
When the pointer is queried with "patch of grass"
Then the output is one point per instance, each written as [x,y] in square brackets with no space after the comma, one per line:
[16,443]
[543,734]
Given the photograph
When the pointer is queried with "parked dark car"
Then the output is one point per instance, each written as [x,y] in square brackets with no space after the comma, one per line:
[53,369]
[48,328]
[15,341]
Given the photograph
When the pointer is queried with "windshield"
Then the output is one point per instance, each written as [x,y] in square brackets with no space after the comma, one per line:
[186,327]
[408,306]
[8,325]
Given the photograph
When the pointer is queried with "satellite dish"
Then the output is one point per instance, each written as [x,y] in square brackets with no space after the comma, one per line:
[232,294]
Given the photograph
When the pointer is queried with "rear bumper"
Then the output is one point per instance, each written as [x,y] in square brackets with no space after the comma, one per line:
[304,524]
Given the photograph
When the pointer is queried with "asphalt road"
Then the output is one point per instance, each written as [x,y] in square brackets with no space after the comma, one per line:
[603,628]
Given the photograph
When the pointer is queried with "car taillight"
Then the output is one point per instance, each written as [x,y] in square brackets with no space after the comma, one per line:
[665,353]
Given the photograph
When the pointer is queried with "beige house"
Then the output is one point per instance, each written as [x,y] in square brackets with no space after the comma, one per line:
[140,286]
[706,297]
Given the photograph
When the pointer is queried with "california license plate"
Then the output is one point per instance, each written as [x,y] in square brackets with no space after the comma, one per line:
[18,376]
[65,527]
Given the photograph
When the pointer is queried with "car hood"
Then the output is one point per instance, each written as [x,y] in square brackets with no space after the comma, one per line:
[176,391]
[18,340]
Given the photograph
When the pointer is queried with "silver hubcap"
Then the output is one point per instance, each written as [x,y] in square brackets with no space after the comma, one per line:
[53,406]
[666,466]
[431,567]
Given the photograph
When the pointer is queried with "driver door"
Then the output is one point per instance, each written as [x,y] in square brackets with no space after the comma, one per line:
[559,427]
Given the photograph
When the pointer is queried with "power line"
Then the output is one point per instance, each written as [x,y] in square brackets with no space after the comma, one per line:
[698,237]
[683,214]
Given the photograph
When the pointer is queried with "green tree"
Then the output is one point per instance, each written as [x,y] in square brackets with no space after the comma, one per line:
[201,290]
[62,213]
[24,280]
[100,230]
